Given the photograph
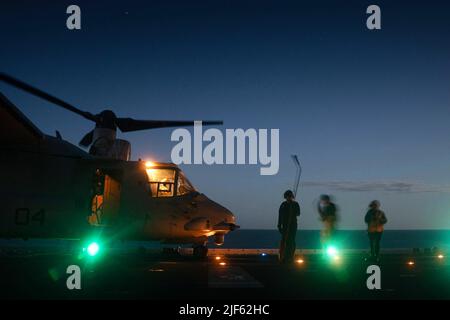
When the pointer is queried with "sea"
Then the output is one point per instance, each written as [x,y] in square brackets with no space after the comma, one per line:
[270,239]
[345,239]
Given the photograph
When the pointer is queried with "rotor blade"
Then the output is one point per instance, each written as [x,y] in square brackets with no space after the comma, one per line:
[87,139]
[43,95]
[129,124]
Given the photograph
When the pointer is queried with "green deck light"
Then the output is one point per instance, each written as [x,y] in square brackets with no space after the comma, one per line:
[332,251]
[93,248]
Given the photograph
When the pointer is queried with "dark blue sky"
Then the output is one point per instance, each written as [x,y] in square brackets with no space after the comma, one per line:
[367,111]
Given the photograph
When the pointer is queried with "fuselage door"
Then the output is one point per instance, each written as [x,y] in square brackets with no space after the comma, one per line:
[105,204]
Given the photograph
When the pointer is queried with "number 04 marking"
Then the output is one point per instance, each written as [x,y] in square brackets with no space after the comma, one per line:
[24,217]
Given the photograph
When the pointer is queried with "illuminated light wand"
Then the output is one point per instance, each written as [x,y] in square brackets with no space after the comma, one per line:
[298,173]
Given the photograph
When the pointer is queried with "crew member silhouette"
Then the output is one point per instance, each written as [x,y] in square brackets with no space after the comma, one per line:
[287,225]
[328,215]
[375,219]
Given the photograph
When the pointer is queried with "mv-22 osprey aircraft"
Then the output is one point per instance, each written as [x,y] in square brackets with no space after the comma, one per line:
[50,188]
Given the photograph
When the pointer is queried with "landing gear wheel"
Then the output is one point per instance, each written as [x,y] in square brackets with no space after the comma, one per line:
[200,251]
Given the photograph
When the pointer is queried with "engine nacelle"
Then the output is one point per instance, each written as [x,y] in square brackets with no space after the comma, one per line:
[106,145]
[120,150]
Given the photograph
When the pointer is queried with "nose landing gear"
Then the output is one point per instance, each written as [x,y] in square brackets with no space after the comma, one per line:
[200,251]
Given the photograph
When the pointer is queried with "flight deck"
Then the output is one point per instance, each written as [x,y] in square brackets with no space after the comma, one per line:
[231,274]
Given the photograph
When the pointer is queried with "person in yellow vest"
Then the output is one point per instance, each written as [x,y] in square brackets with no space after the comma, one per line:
[375,220]
[287,225]
[328,215]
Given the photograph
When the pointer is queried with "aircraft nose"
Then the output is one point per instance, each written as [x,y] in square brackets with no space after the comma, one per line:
[218,214]
[226,219]
[227,215]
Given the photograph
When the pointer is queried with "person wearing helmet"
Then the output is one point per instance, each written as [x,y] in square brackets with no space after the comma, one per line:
[328,215]
[375,220]
[287,225]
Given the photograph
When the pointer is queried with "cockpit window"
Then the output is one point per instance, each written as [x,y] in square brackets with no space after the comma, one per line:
[162,182]
[183,185]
